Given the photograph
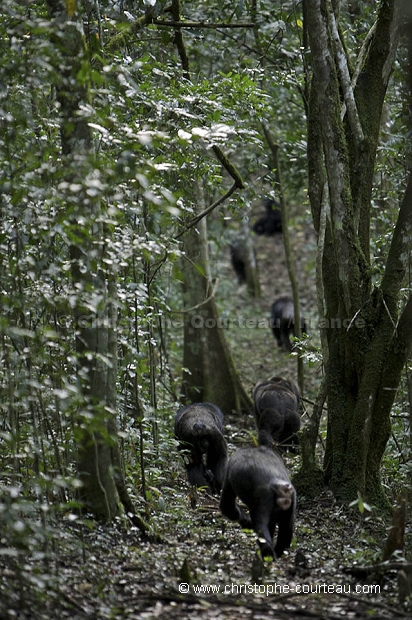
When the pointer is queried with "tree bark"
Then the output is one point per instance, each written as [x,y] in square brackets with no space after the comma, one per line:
[96,369]
[209,374]
[365,346]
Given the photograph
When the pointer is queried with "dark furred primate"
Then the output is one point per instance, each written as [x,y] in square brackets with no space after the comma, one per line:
[243,258]
[282,321]
[199,429]
[238,259]
[276,404]
[258,477]
[270,223]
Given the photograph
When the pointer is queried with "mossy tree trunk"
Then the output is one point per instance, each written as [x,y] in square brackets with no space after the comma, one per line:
[209,374]
[366,341]
[96,368]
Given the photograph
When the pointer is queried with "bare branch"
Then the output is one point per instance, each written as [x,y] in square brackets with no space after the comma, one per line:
[186,24]
[231,168]
[178,39]
[345,81]
[203,214]
[124,37]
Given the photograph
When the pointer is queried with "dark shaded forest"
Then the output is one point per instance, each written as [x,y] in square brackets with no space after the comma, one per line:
[205,327]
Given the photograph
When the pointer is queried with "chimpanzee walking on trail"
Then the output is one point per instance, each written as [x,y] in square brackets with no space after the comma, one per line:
[282,321]
[270,223]
[199,429]
[258,477]
[238,258]
[276,403]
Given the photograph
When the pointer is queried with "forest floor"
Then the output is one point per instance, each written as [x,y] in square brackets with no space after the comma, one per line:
[199,565]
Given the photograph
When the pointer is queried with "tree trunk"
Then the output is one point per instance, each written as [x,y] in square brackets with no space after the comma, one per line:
[365,347]
[209,374]
[96,369]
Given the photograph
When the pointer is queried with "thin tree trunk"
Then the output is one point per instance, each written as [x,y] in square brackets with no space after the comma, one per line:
[95,370]
[209,374]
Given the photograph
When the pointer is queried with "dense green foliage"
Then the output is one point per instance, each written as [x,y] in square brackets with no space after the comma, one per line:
[154,133]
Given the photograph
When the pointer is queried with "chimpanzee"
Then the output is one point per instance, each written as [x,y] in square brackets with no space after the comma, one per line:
[199,428]
[276,404]
[238,258]
[282,321]
[243,257]
[270,223]
[260,479]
